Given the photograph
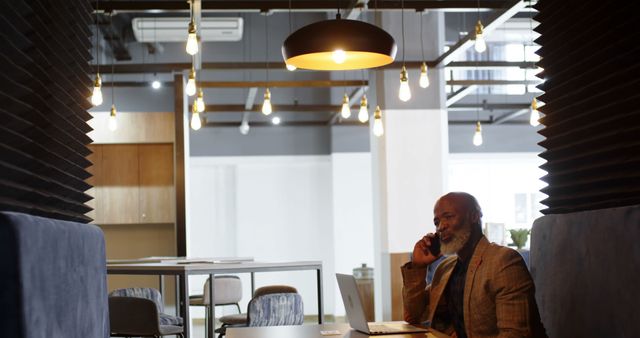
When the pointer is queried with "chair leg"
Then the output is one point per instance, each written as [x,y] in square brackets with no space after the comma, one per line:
[206,321]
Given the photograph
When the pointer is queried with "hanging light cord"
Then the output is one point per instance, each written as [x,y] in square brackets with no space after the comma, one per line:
[421,39]
[289,16]
[266,52]
[97,39]
[402,15]
[478,10]
[113,56]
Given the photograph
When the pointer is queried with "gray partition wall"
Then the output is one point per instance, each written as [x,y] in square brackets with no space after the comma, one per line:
[584,251]
[44,86]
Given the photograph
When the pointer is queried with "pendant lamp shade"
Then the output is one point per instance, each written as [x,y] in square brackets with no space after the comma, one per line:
[339,45]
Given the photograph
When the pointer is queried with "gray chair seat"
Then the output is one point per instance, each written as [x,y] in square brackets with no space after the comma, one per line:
[240,318]
[170,329]
[166,319]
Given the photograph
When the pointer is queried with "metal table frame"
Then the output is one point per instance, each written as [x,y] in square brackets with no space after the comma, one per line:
[182,272]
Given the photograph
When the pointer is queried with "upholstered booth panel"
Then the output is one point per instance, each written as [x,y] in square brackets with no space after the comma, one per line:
[52,278]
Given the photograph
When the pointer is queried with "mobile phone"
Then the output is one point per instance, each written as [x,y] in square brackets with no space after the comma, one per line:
[435,245]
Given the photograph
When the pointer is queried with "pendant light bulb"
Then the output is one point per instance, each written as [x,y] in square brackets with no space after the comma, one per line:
[113,122]
[200,101]
[96,96]
[266,105]
[480,44]
[363,114]
[192,39]
[339,56]
[345,112]
[244,127]
[477,136]
[535,114]
[291,68]
[378,128]
[424,78]
[196,122]
[191,83]
[405,92]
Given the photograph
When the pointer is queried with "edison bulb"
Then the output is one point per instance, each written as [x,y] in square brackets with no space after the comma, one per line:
[244,127]
[477,136]
[363,113]
[266,105]
[535,115]
[405,91]
[200,101]
[192,40]
[345,112]
[196,122]
[291,68]
[339,56]
[191,87]
[96,97]
[424,78]
[378,128]
[156,84]
[480,44]
[113,122]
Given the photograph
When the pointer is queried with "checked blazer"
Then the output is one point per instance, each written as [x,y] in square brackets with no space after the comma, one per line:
[499,295]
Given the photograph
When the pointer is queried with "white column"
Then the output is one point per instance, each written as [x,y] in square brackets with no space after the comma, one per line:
[410,159]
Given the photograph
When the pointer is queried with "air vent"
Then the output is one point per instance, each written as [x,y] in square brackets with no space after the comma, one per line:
[175,29]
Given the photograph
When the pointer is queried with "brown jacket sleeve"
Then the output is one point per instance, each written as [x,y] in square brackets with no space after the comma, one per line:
[415,294]
[516,310]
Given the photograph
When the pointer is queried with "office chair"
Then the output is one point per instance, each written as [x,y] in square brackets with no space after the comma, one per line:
[153,295]
[228,291]
[273,305]
[139,317]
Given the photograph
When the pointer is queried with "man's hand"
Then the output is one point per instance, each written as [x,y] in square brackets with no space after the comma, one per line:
[422,256]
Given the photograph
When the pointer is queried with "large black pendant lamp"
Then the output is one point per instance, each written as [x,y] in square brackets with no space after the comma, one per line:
[339,45]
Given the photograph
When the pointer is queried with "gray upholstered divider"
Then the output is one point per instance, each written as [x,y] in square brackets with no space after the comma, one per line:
[52,278]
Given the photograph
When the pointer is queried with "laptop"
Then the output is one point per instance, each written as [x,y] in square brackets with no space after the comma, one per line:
[355,311]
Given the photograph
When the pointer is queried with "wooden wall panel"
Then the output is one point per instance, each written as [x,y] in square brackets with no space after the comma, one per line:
[133,128]
[397,261]
[156,183]
[589,54]
[119,184]
[44,85]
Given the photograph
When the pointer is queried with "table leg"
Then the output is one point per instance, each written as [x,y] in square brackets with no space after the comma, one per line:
[253,283]
[212,308]
[320,307]
[161,285]
[184,300]
[177,289]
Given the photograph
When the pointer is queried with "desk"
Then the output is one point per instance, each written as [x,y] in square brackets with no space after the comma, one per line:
[182,272]
[313,331]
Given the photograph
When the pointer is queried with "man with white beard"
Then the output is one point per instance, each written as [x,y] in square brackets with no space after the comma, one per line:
[484,290]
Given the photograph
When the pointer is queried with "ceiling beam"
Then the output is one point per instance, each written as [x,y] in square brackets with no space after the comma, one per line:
[275,84]
[283,5]
[299,108]
[487,106]
[463,44]
[227,124]
[491,82]
[459,94]
[510,116]
[176,67]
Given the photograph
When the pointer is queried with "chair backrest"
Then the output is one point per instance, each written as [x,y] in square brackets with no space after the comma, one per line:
[275,306]
[53,278]
[145,293]
[228,290]
[133,316]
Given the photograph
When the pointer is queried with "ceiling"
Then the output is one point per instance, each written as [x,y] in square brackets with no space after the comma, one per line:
[489,87]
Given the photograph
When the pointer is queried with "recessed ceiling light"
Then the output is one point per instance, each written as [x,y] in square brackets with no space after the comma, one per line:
[275,120]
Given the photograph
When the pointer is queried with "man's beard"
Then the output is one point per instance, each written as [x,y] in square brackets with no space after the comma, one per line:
[458,241]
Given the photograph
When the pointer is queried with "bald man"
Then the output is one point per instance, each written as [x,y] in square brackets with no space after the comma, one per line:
[482,290]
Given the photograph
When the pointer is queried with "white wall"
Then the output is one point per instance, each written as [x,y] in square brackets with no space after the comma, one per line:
[281,208]
[352,216]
